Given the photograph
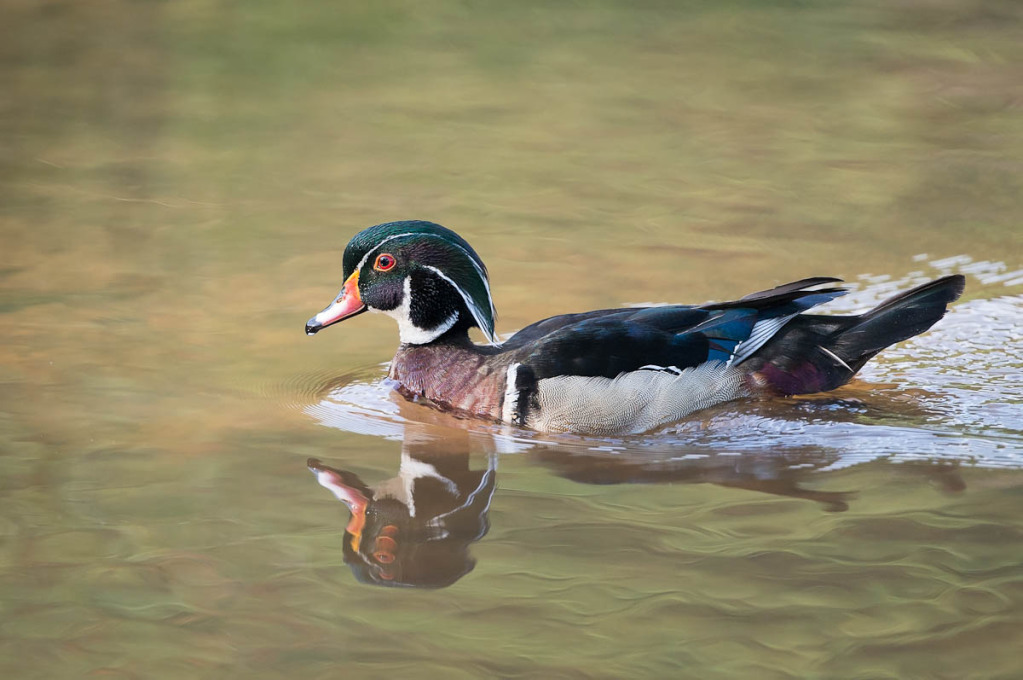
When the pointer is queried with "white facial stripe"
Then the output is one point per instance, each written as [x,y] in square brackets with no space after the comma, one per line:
[491,337]
[402,487]
[474,309]
[475,264]
[490,298]
[486,284]
[438,521]
[374,248]
[410,333]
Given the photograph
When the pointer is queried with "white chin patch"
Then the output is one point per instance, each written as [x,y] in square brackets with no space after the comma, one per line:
[409,333]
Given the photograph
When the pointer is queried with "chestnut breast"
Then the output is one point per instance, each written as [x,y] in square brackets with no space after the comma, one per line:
[453,377]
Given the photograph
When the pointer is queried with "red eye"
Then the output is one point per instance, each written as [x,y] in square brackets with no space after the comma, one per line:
[384,262]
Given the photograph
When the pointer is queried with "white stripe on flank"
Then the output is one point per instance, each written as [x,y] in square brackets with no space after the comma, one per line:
[511,395]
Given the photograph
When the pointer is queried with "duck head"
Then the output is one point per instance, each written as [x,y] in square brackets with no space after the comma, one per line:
[423,275]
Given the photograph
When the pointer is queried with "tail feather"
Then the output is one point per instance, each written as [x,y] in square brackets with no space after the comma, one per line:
[784,289]
[796,292]
[898,318]
[819,353]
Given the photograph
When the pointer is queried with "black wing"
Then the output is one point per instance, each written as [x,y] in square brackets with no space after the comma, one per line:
[609,342]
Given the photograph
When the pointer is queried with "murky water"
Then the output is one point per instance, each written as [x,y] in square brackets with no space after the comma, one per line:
[177,181]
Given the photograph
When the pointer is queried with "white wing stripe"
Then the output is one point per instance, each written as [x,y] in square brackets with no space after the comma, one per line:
[762,332]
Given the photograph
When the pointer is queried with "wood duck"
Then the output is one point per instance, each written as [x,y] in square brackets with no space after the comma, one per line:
[609,371]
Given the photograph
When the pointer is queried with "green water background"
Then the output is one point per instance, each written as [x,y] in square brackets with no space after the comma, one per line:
[177,180]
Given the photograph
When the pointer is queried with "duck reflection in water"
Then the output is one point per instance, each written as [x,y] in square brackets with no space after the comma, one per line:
[415,529]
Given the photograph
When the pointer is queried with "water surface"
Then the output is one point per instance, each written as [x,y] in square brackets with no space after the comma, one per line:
[177,181]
